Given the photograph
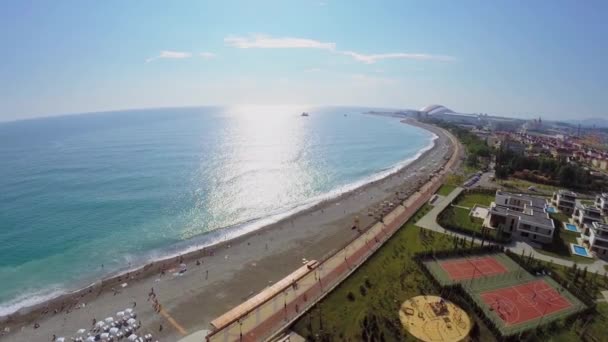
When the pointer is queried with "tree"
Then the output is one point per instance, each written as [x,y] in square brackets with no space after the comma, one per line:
[566,176]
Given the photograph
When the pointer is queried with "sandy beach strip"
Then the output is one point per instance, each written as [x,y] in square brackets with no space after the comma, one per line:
[220,277]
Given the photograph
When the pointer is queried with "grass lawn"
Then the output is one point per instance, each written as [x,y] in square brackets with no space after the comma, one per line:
[446,189]
[520,184]
[560,247]
[469,200]
[560,217]
[459,217]
[374,293]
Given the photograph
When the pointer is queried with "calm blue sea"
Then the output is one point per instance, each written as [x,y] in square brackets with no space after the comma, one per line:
[121,188]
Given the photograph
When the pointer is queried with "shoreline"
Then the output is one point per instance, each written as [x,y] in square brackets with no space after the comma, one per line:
[67,303]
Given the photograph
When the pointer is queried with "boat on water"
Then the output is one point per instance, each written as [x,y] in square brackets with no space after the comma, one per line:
[304,114]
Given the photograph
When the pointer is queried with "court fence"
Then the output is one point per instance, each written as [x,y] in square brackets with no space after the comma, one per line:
[466,293]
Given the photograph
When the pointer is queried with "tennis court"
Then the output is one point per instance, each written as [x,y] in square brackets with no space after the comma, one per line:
[474,267]
[525,302]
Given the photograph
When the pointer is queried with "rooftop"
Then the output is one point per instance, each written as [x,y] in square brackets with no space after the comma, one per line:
[531,215]
[564,192]
[533,201]
[601,226]
[587,208]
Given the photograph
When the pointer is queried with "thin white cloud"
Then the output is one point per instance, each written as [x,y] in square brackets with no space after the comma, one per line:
[266,42]
[261,41]
[373,58]
[207,55]
[312,70]
[166,54]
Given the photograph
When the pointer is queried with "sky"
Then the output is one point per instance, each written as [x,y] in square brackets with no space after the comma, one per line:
[513,58]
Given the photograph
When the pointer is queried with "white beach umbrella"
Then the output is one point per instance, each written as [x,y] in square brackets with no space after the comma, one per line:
[99,324]
[128,310]
[60,339]
[120,313]
[132,337]
[81,331]
[109,319]
[131,321]
[114,330]
[91,339]
[105,336]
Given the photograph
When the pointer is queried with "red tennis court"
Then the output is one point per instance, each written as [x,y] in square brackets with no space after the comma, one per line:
[522,303]
[468,268]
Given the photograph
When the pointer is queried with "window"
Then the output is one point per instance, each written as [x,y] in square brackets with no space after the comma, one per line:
[524,234]
[534,237]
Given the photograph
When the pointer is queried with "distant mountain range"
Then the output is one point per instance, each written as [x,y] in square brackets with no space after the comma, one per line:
[590,122]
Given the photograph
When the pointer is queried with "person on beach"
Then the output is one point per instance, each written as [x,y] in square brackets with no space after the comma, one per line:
[206,274]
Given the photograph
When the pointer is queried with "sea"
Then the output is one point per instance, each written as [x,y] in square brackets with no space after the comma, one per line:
[84,196]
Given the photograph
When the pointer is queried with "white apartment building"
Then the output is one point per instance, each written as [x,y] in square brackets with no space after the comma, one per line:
[520,216]
[586,214]
[565,201]
[601,202]
[598,239]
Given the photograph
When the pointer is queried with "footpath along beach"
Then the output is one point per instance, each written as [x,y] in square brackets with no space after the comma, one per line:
[220,277]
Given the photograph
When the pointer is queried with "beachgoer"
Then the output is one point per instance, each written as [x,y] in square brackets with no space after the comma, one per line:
[160,328]
[53,338]
[134,304]
[94,321]
[36,325]
[206,274]
[198,262]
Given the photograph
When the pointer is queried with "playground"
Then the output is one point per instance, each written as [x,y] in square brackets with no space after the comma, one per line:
[432,318]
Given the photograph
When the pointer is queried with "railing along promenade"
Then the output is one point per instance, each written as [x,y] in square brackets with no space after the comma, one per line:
[276,307]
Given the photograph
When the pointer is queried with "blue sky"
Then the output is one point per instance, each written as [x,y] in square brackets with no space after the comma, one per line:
[514,58]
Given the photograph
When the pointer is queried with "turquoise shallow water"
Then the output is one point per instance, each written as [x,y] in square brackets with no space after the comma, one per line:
[121,188]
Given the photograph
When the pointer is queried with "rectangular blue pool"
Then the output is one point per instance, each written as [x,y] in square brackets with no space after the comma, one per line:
[580,250]
[571,227]
[551,210]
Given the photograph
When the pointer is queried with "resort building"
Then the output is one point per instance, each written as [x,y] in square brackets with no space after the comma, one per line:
[520,216]
[565,201]
[598,239]
[601,202]
[586,214]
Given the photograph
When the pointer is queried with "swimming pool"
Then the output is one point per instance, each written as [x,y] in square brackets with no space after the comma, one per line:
[552,210]
[570,227]
[580,250]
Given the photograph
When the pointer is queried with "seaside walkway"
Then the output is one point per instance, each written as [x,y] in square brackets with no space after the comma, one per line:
[271,311]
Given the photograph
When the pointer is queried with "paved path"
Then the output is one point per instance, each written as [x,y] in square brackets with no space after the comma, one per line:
[429,221]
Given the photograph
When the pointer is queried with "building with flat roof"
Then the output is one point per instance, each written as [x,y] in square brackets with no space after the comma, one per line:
[597,237]
[520,216]
[586,214]
[564,200]
[601,202]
